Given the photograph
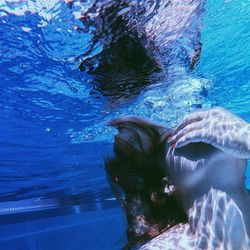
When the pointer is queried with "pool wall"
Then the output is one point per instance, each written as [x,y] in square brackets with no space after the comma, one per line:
[49,224]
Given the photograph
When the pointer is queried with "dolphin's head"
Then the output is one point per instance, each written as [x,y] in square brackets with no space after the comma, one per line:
[197,167]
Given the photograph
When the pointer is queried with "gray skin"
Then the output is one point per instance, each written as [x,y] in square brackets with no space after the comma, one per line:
[210,184]
[217,127]
[211,188]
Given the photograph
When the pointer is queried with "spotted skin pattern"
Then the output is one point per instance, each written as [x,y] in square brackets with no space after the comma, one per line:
[217,127]
[218,217]
[175,238]
[211,226]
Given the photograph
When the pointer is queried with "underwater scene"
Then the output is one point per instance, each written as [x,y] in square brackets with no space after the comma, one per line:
[68,68]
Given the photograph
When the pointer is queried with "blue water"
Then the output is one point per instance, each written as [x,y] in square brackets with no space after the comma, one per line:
[53,133]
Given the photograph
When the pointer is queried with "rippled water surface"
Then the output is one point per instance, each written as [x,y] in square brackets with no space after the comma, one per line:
[67,67]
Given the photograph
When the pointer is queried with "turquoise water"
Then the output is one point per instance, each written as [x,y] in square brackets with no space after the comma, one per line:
[226,50]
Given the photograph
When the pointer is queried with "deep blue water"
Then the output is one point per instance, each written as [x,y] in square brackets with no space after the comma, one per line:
[53,112]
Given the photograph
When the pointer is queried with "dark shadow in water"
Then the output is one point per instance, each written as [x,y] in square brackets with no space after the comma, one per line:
[124,68]
[129,58]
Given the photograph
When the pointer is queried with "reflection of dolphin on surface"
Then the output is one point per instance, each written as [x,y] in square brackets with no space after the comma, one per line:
[147,50]
[169,30]
[204,205]
[133,40]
